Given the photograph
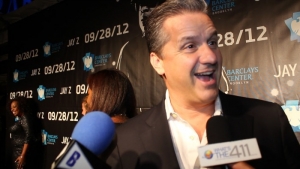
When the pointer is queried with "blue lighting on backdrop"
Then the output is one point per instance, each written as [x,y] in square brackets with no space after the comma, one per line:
[7,6]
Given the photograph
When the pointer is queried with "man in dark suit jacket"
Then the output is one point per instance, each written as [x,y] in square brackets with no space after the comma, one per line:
[146,140]
[183,49]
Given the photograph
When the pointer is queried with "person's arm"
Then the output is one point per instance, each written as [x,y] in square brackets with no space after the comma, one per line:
[21,159]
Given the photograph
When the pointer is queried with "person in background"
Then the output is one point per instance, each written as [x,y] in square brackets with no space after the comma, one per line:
[183,45]
[84,105]
[110,91]
[22,133]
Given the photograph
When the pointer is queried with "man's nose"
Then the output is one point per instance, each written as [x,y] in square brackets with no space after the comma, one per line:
[207,55]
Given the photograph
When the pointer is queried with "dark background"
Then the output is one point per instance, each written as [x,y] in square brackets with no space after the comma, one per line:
[254,40]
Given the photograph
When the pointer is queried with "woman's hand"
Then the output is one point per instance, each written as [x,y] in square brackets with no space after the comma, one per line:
[21,161]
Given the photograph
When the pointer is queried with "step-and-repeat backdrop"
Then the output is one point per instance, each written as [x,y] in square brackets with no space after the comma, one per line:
[260,44]
[53,51]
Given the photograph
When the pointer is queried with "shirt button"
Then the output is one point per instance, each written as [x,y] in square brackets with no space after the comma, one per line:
[174,115]
[192,137]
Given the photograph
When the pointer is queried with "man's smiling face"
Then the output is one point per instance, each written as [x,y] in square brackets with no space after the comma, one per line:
[191,61]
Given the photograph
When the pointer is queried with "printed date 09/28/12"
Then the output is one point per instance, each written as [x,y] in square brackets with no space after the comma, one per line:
[27,55]
[106,33]
[62,116]
[59,68]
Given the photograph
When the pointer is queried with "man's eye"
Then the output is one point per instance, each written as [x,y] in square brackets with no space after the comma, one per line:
[213,43]
[190,46]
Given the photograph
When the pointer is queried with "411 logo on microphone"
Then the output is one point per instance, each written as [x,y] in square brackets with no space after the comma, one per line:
[228,152]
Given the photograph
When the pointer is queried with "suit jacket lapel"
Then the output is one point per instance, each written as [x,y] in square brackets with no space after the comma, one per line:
[161,146]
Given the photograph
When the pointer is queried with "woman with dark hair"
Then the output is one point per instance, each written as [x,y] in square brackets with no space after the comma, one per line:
[110,91]
[22,132]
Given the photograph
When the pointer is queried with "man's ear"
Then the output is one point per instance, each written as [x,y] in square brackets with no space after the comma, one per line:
[157,63]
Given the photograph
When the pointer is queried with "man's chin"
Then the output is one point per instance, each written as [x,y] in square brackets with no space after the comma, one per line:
[210,94]
[213,94]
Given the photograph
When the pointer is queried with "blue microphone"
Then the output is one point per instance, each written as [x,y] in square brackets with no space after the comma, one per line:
[91,136]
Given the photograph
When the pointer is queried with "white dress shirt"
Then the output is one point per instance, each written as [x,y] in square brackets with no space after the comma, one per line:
[185,138]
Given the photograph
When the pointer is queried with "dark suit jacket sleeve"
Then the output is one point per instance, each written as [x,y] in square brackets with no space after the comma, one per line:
[114,159]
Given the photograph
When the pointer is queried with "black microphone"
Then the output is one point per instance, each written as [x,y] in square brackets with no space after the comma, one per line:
[222,149]
[91,136]
[217,130]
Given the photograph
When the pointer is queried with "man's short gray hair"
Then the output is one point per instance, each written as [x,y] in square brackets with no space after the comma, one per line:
[155,35]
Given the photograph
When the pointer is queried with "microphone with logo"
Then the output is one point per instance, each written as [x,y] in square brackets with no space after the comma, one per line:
[91,136]
[221,149]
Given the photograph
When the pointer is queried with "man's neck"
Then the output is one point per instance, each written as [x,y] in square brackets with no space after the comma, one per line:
[189,111]
[196,116]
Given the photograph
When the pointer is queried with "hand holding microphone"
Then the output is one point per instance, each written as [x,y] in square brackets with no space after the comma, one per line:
[91,136]
[240,165]
[221,149]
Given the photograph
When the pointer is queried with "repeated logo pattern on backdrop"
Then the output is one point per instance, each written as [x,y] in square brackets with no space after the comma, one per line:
[260,58]
[53,57]
[88,61]
[293,24]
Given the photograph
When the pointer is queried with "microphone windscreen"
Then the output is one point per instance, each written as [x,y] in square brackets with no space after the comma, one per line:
[94,131]
[217,130]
